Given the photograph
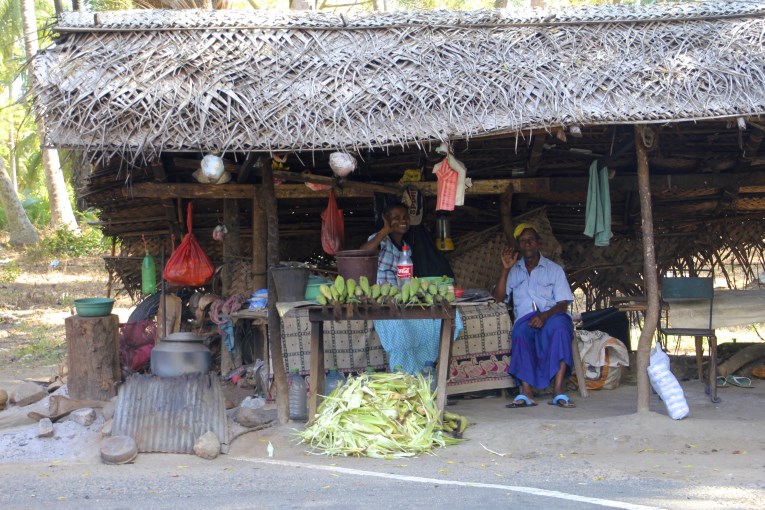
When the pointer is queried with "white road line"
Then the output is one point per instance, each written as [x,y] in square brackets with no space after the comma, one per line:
[418,479]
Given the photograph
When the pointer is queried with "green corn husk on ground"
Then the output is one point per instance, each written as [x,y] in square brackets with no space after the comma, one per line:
[381,415]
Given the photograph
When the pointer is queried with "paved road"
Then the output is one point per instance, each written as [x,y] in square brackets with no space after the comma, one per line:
[161,481]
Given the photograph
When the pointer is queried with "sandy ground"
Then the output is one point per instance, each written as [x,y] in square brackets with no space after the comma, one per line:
[602,438]
[719,445]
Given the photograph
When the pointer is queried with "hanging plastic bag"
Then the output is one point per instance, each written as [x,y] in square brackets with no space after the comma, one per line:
[189,264]
[666,385]
[148,271]
[332,227]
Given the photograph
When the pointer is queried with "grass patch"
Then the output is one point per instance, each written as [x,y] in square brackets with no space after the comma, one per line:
[9,273]
[41,346]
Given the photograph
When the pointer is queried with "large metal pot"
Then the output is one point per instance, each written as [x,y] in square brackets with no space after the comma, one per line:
[179,354]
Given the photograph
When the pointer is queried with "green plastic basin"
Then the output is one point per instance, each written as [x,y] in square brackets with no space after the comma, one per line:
[93,307]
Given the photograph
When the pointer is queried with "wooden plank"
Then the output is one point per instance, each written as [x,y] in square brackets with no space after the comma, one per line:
[480,187]
[190,190]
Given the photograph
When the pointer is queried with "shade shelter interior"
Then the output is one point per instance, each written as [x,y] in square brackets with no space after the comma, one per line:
[528,100]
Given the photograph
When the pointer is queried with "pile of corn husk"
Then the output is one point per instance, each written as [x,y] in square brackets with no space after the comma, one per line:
[380,415]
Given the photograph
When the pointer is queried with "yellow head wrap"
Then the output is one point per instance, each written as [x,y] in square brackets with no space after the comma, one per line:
[521,227]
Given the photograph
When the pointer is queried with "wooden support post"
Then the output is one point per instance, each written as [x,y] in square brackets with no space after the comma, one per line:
[581,380]
[232,250]
[505,208]
[259,244]
[232,243]
[317,368]
[650,278]
[274,322]
[442,373]
[92,345]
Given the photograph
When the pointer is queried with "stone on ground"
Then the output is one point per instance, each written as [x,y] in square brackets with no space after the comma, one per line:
[207,446]
[28,393]
[118,450]
[45,428]
[85,416]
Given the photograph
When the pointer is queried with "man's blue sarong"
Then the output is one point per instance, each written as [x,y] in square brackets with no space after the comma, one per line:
[537,353]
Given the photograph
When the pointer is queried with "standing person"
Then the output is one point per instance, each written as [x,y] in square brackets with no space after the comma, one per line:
[543,330]
[390,240]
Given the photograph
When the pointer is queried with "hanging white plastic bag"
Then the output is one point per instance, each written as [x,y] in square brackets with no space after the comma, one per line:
[665,384]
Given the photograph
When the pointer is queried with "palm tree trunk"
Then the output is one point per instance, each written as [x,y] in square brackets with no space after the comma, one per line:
[61,215]
[21,229]
[13,159]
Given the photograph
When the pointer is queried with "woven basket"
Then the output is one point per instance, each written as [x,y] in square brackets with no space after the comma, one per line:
[476,263]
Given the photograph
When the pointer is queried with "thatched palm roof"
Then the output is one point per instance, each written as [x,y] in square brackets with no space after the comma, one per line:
[138,83]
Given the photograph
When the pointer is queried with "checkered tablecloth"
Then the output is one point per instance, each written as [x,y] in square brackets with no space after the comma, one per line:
[479,358]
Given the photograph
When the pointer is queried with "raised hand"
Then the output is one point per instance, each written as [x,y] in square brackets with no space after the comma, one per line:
[509,256]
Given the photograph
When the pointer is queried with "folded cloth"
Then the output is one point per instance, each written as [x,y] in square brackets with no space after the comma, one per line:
[413,342]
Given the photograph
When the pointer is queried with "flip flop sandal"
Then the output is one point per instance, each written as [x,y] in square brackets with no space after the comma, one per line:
[722,382]
[521,401]
[741,382]
[562,401]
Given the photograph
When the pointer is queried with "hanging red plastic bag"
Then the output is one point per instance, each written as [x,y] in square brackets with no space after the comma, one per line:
[332,227]
[189,264]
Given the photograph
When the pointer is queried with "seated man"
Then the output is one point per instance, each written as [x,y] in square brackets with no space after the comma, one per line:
[543,330]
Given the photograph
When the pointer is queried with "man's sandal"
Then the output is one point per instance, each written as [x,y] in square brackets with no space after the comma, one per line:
[562,401]
[521,401]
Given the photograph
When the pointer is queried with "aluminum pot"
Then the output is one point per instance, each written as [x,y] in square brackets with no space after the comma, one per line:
[179,354]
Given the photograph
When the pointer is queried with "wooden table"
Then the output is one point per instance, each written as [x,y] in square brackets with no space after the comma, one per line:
[318,314]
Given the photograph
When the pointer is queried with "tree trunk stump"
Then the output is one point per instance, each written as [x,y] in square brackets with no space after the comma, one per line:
[92,345]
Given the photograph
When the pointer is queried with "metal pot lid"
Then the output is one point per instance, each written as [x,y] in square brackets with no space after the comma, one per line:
[185,336]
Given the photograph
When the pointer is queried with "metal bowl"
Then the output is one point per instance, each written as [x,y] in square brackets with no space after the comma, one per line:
[93,307]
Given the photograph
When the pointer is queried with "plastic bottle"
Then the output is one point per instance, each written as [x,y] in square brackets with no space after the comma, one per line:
[404,267]
[297,396]
[333,380]
[148,275]
[429,373]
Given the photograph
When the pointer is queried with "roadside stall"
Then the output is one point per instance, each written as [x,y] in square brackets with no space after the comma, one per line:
[521,133]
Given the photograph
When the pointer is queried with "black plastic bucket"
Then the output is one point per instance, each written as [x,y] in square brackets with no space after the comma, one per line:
[290,282]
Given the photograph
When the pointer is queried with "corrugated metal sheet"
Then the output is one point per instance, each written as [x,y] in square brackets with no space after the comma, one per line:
[168,414]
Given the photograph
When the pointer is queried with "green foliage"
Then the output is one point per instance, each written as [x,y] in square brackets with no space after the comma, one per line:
[65,243]
[9,273]
[44,346]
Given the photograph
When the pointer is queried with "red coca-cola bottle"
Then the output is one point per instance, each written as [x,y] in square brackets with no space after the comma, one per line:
[404,268]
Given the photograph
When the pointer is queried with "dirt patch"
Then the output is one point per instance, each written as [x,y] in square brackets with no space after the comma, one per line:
[35,298]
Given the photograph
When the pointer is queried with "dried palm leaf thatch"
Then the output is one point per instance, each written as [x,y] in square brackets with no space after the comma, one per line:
[138,83]
[617,270]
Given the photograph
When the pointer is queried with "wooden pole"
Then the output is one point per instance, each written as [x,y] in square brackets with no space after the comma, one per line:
[505,208]
[259,244]
[232,249]
[232,246]
[268,197]
[650,276]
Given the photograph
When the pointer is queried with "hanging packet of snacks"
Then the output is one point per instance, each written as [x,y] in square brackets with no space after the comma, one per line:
[332,227]
[189,264]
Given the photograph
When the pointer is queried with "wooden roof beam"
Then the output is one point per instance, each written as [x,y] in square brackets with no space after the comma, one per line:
[480,187]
